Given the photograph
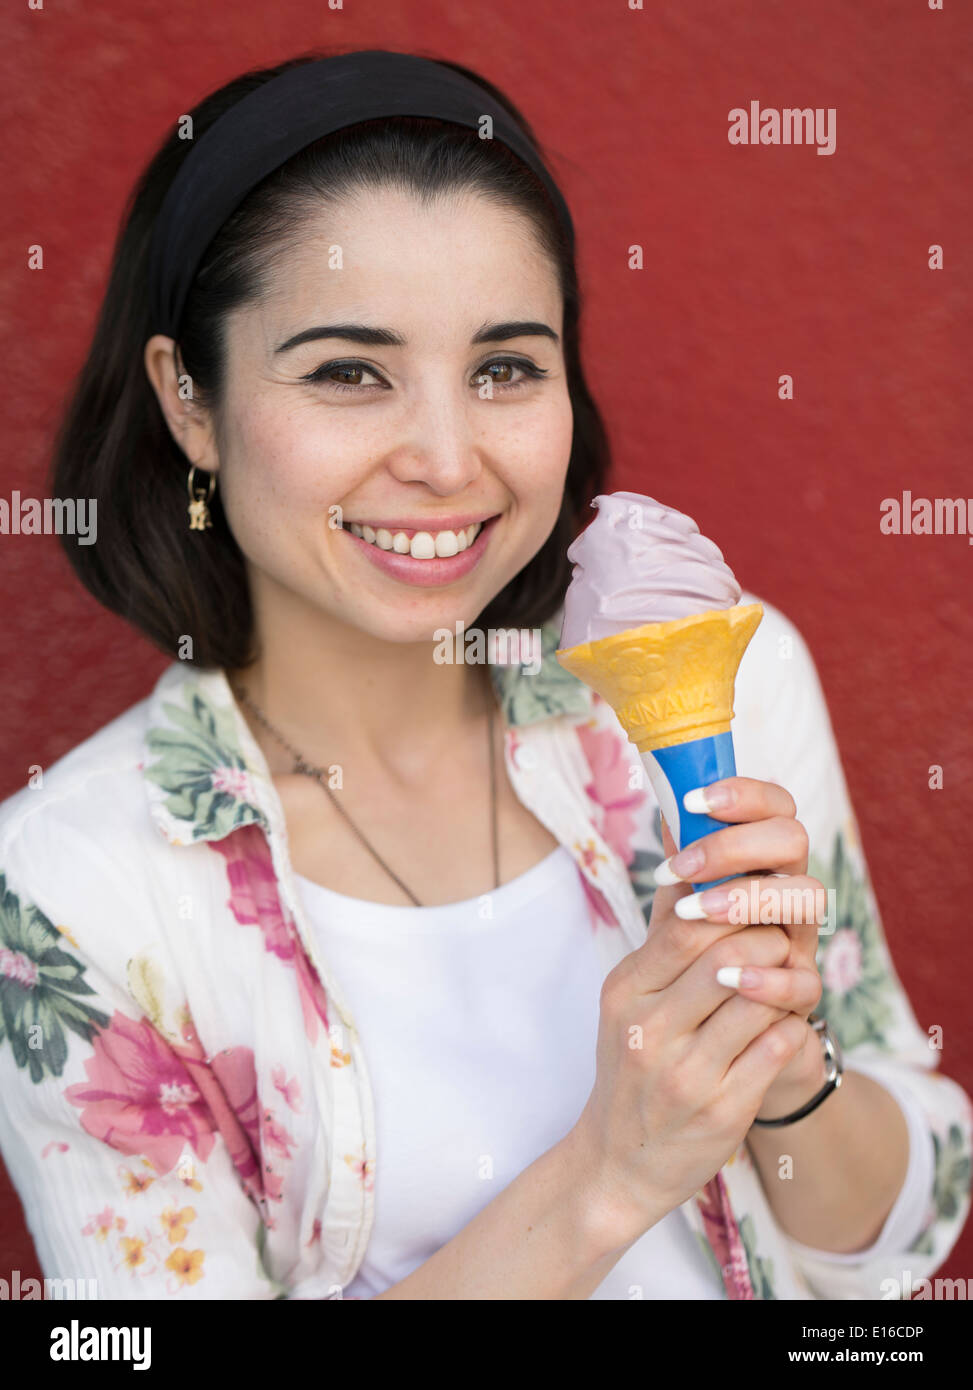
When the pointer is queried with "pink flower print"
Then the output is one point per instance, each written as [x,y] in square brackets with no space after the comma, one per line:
[234,781]
[290,1090]
[255,901]
[54,1146]
[314,1001]
[232,1096]
[103,1224]
[614,800]
[140,1099]
[315,1233]
[14,965]
[723,1235]
[363,1167]
[585,854]
[273,1185]
[147,1097]
[842,961]
[229,1083]
[276,1135]
[598,907]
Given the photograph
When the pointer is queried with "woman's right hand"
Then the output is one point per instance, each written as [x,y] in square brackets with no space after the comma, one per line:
[683,1062]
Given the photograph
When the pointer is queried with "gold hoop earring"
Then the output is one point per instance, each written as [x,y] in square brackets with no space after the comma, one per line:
[199,517]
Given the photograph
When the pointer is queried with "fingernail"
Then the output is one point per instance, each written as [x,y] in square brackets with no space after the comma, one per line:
[679,867]
[736,975]
[703,799]
[703,904]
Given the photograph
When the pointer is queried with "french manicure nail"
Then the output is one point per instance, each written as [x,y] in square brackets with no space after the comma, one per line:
[691,909]
[703,799]
[737,975]
[704,904]
[679,867]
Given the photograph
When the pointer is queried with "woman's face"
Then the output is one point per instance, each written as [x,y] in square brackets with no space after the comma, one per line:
[323,411]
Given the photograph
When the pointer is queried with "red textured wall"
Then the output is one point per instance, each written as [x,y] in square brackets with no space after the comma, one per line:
[758,261]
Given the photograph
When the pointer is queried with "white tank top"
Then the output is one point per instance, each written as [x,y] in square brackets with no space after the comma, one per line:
[479,1034]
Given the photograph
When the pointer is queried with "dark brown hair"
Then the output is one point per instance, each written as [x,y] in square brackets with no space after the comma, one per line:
[114,445]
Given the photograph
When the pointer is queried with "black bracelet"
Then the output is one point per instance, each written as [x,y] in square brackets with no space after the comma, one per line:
[835,1071]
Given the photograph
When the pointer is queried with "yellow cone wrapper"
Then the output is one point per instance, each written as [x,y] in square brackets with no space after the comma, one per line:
[671,682]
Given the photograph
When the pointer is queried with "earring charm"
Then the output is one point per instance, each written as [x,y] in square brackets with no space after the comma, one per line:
[199,517]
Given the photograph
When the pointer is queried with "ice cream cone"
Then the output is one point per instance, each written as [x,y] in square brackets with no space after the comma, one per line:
[672,682]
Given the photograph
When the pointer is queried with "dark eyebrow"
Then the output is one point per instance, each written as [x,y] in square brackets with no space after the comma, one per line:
[385,337]
[500,332]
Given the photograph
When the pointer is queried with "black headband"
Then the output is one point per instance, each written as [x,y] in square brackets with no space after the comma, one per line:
[264,129]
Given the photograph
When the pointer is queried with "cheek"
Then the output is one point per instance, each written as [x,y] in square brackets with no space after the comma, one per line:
[277,469]
[545,450]
[539,435]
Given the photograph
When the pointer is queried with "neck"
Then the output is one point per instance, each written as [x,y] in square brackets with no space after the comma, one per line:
[336,692]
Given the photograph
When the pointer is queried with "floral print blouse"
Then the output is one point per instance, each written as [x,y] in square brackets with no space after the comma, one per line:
[185,1106]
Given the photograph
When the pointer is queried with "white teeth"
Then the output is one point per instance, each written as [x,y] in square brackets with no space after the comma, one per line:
[424,545]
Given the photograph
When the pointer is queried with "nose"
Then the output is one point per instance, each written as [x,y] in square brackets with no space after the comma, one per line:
[438,446]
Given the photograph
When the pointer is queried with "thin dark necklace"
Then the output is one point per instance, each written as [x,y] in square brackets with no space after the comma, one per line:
[302,766]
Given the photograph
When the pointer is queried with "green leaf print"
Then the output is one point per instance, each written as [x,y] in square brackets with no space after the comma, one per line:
[857,988]
[950,1186]
[526,698]
[263,1271]
[711,1259]
[37,982]
[200,766]
[761,1269]
[640,870]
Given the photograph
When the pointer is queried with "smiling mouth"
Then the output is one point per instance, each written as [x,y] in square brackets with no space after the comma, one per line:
[419,544]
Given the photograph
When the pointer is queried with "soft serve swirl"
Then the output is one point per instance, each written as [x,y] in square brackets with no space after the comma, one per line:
[641,562]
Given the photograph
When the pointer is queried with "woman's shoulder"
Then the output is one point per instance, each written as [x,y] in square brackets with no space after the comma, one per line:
[777,685]
[783,731]
[93,793]
[775,637]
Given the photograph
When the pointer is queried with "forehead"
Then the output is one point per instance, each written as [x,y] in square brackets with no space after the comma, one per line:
[387,250]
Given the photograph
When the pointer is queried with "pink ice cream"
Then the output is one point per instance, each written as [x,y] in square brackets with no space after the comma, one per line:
[641,562]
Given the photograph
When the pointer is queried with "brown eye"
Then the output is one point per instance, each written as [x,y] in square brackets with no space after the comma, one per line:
[504,367]
[508,365]
[346,376]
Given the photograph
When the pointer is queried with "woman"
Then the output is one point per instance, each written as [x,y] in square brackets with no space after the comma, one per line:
[361,1020]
